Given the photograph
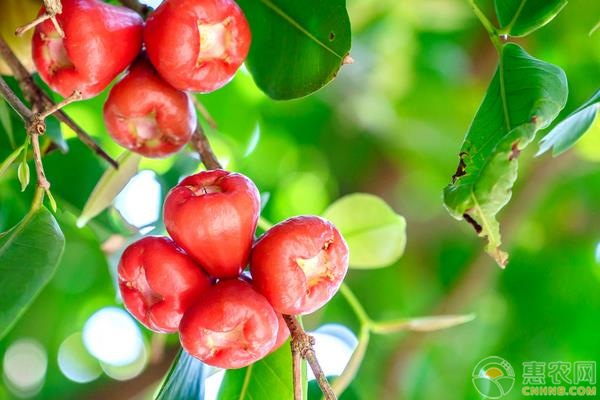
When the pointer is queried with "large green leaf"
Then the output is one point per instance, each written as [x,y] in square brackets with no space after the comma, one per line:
[297,46]
[521,17]
[185,379]
[29,253]
[524,96]
[269,378]
[375,234]
[564,135]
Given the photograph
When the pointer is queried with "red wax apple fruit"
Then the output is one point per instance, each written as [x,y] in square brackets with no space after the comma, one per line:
[158,282]
[299,264]
[145,114]
[283,332]
[100,41]
[197,45]
[213,216]
[230,326]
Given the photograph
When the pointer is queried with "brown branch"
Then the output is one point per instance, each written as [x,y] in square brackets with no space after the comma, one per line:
[40,99]
[296,372]
[53,7]
[202,146]
[302,344]
[136,6]
[204,112]
[477,276]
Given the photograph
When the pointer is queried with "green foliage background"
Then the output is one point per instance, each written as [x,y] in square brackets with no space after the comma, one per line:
[391,124]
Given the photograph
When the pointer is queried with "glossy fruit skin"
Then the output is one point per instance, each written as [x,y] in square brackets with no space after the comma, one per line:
[174,36]
[231,326]
[76,62]
[158,282]
[283,333]
[212,215]
[299,264]
[145,114]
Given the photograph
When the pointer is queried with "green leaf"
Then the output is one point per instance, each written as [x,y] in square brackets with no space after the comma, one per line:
[566,133]
[269,378]
[23,174]
[109,186]
[6,122]
[185,379]
[10,160]
[297,46]
[524,96]
[29,253]
[54,132]
[521,17]
[375,234]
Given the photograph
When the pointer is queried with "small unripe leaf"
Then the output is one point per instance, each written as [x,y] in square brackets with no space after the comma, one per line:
[23,174]
[51,200]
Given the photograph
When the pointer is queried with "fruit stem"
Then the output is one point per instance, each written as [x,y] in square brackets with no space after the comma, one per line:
[202,146]
[302,344]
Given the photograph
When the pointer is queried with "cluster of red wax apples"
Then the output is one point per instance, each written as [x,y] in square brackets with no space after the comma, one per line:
[196,282]
[190,46]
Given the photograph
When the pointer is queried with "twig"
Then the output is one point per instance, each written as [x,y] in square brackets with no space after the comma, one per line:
[297,372]
[136,6]
[14,101]
[37,96]
[302,344]
[202,146]
[53,7]
[204,112]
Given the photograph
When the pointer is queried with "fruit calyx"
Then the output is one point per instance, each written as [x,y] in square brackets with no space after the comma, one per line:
[317,268]
[215,41]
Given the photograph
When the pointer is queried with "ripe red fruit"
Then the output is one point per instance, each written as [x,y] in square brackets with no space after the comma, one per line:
[100,41]
[230,326]
[299,264]
[158,282]
[145,114]
[197,45]
[213,216]
[283,332]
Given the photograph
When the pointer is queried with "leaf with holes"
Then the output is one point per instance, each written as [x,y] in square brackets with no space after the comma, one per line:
[269,378]
[185,379]
[109,186]
[297,46]
[29,254]
[521,17]
[525,95]
[375,234]
[565,134]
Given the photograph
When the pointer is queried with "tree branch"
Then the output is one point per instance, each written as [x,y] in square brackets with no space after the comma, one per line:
[38,98]
[136,6]
[296,372]
[302,344]
[202,146]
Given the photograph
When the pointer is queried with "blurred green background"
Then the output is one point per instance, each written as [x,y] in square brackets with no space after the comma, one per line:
[390,124]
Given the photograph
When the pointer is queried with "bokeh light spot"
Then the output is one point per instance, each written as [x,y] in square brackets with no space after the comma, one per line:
[334,345]
[139,201]
[75,362]
[24,365]
[113,337]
